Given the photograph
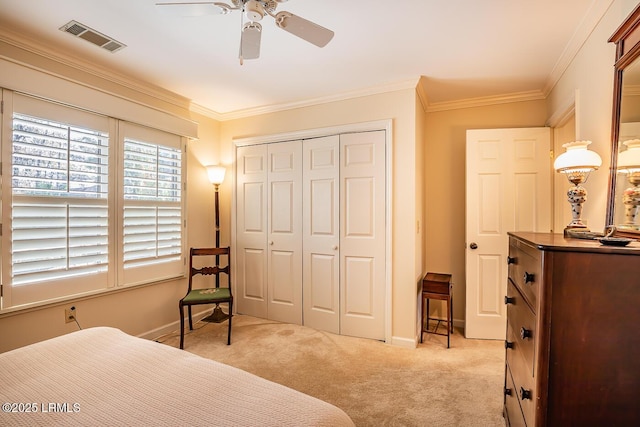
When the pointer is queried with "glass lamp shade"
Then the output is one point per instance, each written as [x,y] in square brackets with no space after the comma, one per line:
[577,158]
[629,160]
[216,174]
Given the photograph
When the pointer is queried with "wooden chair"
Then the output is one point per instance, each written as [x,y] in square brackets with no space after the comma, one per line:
[214,295]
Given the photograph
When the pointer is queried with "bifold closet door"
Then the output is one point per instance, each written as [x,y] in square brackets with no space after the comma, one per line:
[251,230]
[284,232]
[362,234]
[321,220]
[269,231]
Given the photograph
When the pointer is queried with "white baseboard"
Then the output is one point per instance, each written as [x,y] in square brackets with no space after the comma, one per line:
[173,326]
[404,342]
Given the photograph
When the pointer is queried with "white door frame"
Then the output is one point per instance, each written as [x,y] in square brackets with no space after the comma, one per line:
[387,126]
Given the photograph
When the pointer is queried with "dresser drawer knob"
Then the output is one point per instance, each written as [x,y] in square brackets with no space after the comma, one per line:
[525,333]
[508,345]
[528,277]
[509,300]
[507,391]
[511,260]
[525,394]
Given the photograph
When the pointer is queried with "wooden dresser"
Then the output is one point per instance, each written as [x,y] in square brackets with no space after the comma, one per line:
[573,332]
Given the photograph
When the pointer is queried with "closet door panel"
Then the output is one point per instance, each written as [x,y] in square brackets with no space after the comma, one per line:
[362,230]
[251,239]
[284,207]
[321,271]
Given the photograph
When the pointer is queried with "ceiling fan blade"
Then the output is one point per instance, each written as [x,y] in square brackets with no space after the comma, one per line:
[197,8]
[250,41]
[306,30]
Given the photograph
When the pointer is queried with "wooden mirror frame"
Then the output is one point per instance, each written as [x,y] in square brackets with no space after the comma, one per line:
[627,40]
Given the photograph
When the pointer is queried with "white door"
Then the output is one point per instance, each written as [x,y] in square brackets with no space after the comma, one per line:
[321,238]
[284,216]
[362,234]
[508,188]
[251,231]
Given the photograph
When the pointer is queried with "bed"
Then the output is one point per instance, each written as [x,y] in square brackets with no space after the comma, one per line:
[102,376]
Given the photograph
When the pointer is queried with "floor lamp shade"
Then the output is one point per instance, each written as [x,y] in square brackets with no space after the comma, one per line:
[216,174]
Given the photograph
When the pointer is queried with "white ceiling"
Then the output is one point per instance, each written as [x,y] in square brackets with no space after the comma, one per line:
[463,48]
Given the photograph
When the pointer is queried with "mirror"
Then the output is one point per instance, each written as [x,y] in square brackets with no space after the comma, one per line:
[623,207]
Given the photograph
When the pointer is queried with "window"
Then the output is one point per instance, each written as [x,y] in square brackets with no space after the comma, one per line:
[65,235]
[59,185]
[152,204]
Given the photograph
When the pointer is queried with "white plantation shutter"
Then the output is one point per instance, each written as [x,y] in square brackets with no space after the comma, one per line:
[88,202]
[152,236]
[59,235]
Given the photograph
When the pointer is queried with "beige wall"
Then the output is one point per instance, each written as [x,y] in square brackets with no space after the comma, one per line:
[428,182]
[562,133]
[400,106]
[148,310]
[588,81]
[444,176]
[590,77]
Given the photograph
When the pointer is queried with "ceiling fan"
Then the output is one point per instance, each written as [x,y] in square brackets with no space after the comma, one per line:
[254,11]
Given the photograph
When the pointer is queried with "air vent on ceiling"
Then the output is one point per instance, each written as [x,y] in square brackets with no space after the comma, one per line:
[80,30]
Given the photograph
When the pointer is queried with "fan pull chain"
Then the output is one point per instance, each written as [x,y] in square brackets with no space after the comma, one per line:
[241,27]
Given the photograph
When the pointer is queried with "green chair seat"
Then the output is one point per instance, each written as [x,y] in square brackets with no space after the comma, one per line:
[209,294]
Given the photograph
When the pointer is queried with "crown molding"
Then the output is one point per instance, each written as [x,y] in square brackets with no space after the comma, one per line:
[375,90]
[532,95]
[595,13]
[34,47]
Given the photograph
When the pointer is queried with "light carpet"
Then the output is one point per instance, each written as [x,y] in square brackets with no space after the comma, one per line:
[376,384]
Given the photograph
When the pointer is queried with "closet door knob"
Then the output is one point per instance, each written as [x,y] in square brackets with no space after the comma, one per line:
[473,245]
[271,242]
[335,247]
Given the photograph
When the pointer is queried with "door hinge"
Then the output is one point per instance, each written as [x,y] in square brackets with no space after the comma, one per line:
[2,107]
[1,290]
[551,154]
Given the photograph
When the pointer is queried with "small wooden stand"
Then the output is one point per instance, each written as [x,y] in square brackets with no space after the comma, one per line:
[437,286]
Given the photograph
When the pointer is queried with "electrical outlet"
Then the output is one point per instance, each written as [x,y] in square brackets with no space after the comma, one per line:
[69,314]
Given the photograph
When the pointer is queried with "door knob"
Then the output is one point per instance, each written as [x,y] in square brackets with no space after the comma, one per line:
[271,242]
[473,245]
[335,247]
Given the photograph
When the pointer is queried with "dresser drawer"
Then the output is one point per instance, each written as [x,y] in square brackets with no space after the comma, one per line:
[514,416]
[520,350]
[521,327]
[525,270]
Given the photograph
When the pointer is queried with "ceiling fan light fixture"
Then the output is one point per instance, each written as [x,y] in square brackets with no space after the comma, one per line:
[254,10]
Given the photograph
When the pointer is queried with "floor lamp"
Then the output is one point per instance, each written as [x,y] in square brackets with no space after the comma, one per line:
[216,176]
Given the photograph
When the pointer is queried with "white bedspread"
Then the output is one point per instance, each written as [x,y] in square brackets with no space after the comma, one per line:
[104,377]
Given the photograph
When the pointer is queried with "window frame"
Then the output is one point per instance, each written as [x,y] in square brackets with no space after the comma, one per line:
[50,291]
